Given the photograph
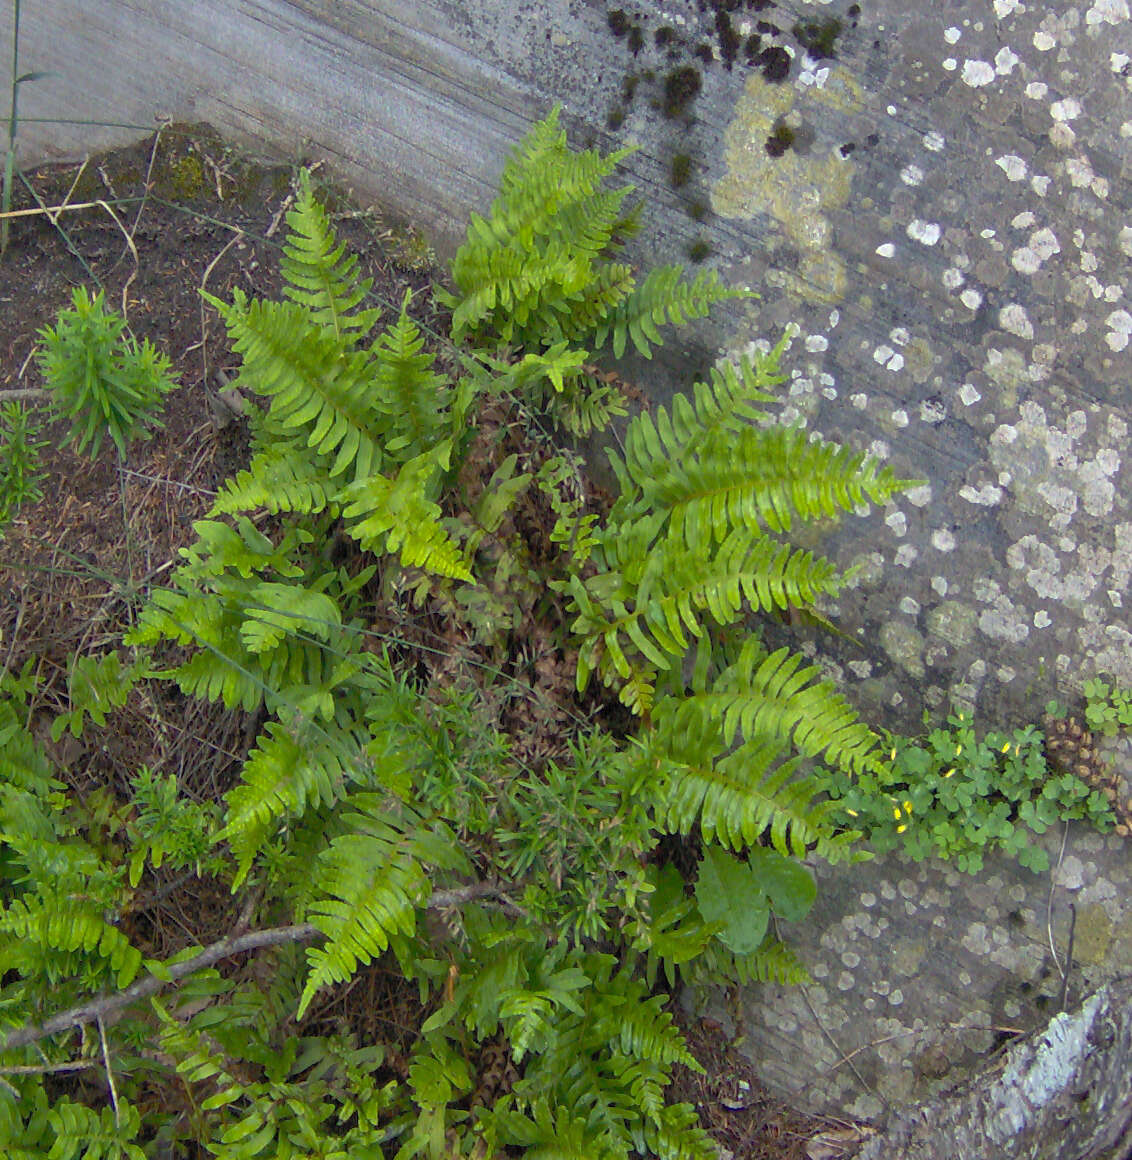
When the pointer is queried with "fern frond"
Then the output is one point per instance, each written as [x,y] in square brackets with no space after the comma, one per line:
[278,480]
[661,299]
[372,879]
[678,1135]
[316,384]
[739,796]
[772,697]
[412,398]
[37,926]
[81,1133]
[397,515]
[319,275]
[289,772]
[761,477]
[658,599]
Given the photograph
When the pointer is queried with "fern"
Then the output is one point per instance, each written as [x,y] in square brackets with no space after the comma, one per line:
[372,879]
[290,771]
[320,276]
[661,299]
[383,785]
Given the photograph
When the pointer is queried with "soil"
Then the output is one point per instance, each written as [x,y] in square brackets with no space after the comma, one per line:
[174,214]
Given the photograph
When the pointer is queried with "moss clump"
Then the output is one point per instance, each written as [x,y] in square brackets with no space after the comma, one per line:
[680,170]
[681,87]
[615,118]
[818,37]
[184,177]
[619,23]
[780,139]
[699,250]
[697,210]
[775,64]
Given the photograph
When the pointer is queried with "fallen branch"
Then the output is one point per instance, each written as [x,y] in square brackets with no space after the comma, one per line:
[107,1005]
[25,393]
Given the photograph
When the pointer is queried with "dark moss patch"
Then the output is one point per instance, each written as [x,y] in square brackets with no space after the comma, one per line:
[636,39]
[619,23]
[872,140]
[704,52]
[680,170]
[729,40]
[664,36]
[697,210]
[752,47]
[699,250]
[629,84]
[819,37]
[847,148]
[775,64]
[681,87]
[615,118]
[768,29]
[780,139]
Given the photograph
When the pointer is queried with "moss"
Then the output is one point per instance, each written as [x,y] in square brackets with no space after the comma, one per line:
[780,139]
[699,250]
[681,87]
[819,37]
[697,210]
[615,118]
[629,84]
[729,39]
[619,23]
[775,64]
[664,36]
[680,170]
[636,39]
[184,177]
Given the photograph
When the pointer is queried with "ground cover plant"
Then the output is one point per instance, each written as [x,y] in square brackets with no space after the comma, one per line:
[499,752]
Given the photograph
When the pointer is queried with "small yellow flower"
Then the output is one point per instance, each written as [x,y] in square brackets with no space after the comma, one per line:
[892,755]
[907,807]
[896,812]
[1006,748]
[901,829]
[852,813]
[949,773]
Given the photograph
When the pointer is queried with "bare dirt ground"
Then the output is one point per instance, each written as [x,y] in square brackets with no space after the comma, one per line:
[161,220]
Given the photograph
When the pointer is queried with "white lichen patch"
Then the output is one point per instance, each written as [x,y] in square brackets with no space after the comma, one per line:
[977,73]
[926,233]
[1013,318]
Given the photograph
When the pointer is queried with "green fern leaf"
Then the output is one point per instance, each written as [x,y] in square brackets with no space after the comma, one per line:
[372,879]
[762,696]
[736,797]
[319,275]
[661,299]
[413,400]
[288,773]
[678,1136]
[279,481]
[396,515]
[316,384]
[57,924]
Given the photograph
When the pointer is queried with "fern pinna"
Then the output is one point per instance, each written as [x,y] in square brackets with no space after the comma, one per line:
[389,809]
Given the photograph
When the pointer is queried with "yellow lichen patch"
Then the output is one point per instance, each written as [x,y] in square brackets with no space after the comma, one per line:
[796,189]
